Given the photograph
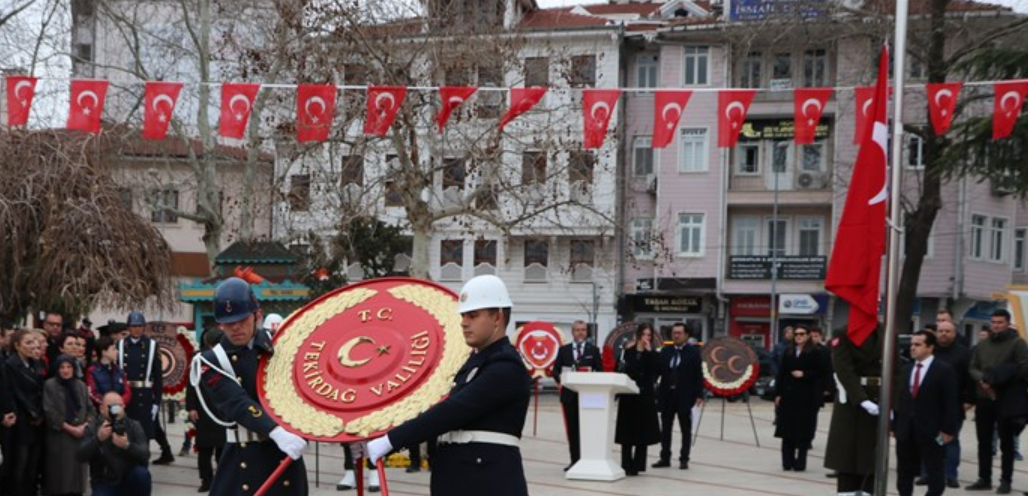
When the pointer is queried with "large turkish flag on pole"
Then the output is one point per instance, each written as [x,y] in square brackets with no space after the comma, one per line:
[856,264]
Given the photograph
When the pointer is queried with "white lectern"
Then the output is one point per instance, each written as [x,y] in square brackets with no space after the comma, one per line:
[596,392]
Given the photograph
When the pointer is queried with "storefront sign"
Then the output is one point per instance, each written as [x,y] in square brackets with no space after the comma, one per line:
[789,267]
[750,306]
[777,130]
[758,10]
[797,304]
[655,303]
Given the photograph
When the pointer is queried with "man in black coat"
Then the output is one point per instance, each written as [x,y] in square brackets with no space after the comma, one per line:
[577,355]
[116,449]
[925,416]
[958,357]
[681,388]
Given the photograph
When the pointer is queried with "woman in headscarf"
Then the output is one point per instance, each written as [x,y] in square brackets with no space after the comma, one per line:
[68,411]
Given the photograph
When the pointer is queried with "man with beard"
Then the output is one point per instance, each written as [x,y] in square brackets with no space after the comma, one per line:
[577,355]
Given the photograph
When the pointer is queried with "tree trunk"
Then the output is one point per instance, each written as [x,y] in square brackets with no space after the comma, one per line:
[421,226]
[207,190]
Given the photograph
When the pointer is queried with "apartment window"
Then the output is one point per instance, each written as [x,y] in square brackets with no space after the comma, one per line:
[696,61]
[580,168]
[752,67]
[780,156]
[457,75]
[451,251]
[690,235]
[782,68]
[744,235]
[977,236]
[583,252]
[815,68]
[165,203]
[453,173]
[485,252]
[813,157]
[1020,237]
[776,234]
[83,52]
[641,234]
[642,156]
[693,150]
[747,159]
[915,152]
[537,258]
[490,103]
[299,192]
[583,71]
[811,232]
[533,168]
[352,171]
[647,66]
[998,239]
[537,71]
[917,69]
[393,195]
[354,75]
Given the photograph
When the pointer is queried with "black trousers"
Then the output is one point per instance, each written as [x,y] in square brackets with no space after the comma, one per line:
[204,461]
[415,453]
[847,482]
[986,418]
[633,458]
[161,437]
[911,454]
[667,419]
[25,467]
[574,433]
[794,454]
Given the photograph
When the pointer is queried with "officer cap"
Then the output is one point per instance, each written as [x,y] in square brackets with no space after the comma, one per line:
[135,319]
[234,301]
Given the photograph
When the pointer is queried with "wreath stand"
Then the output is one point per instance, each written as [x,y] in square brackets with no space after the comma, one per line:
[724,402]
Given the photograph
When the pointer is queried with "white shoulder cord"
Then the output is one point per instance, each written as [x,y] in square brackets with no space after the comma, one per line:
[225,370]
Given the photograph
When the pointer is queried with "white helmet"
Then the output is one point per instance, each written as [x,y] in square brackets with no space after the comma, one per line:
[484,292]
[272,321]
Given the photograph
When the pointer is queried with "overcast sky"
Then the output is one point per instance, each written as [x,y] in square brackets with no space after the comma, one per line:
[1018,5]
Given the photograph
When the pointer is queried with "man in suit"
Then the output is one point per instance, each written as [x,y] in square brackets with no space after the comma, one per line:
[577,355]
[925,416]
[681,388]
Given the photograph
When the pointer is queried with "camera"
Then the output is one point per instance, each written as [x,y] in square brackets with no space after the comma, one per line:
[117,422]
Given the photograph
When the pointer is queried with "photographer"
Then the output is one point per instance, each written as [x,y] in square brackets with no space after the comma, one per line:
[117,450]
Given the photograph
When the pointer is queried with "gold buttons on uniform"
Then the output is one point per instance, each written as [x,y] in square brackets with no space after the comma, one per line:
[239,378]
[246,487]
[242,445]
[242,465]
[285,483]
[235,358]
[478,460]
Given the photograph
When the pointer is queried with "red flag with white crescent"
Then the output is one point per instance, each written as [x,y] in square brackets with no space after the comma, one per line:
[383,105]
[315,109]
[159,102]
[808,106]
[668,107]
[942,99]
[236,102]
[20,91]
[864,97]
[521,100]
[451,97]
[87,104]
[597,109]
[1009,100]
[856,264]
[732,106]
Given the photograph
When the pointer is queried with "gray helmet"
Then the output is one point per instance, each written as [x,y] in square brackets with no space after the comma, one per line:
[136,318]
[234,301]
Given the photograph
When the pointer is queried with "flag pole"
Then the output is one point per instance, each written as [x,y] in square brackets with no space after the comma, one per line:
[899,65]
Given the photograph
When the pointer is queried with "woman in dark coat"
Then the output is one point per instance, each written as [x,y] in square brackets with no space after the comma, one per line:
[637,425]
[24,376]
[799,388]
[210,437]
[68,410]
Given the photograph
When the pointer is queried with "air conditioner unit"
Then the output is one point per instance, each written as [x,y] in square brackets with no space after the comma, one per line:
[651,183]
[811,180]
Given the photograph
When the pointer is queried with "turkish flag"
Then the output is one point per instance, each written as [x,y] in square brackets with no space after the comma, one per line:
[1008,102]
[865,96]
[315,109]
[236,102]
[159,101]
[452,97]
[668,107]
[942,99]
[20,91]
[856,264]
[808,106]
[732,106]
[87,104]
[383,104]
[521,100]
[597,108]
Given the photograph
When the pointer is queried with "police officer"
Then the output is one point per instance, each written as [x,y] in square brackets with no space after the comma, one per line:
[139,356]
[479,424]
[226,377]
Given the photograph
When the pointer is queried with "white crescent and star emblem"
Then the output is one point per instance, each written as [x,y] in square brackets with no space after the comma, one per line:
[1008,110]
[455,100]
[810,102]
[669,107]
[86,110]
[597,107]
[17,92]
[162,98]
[246,105]
[867,107]
[945,92]
[879,135]
[728,113]
[315,100]
[382,97]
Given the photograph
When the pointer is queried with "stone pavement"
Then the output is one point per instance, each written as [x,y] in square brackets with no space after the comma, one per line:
[734,466]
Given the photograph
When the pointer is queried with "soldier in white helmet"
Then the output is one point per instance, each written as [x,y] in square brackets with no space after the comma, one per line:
[478,426]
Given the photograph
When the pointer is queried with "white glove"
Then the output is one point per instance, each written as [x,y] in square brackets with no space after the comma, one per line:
[870,407]
[153,412]
[288,443]
[377,448]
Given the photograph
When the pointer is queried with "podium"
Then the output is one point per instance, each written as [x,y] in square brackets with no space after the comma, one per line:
[596,408]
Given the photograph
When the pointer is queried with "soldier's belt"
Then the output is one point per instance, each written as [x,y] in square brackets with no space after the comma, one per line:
[465,437]
[870,381]
[140,384]
[243,435]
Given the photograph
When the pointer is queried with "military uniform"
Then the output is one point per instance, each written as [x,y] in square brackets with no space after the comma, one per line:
[249,456]
[141,361]
[478,425]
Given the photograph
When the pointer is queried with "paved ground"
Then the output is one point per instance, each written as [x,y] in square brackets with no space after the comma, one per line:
[733,466]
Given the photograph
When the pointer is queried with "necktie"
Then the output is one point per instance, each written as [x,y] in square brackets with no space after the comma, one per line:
[917,381]
[676,359]
[578,351]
